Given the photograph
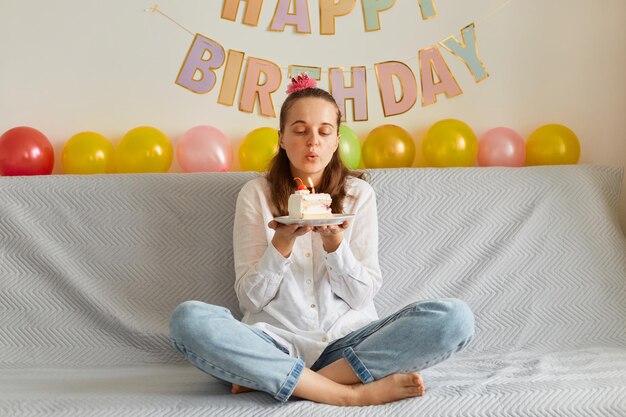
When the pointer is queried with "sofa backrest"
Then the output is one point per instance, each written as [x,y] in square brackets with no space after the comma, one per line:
[537,252]
[92,266]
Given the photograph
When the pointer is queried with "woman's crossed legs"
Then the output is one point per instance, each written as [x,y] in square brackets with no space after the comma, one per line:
[372,365]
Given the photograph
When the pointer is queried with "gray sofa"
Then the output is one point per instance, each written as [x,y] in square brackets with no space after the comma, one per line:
[92,266]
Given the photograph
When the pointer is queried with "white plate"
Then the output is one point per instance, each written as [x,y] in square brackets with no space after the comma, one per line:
[336,219]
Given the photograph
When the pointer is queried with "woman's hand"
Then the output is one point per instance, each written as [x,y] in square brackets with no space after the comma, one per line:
[285,236]
[331,235]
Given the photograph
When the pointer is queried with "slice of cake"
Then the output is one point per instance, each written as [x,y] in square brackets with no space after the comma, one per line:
[306,205]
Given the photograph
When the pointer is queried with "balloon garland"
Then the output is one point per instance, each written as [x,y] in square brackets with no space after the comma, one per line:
[447,143]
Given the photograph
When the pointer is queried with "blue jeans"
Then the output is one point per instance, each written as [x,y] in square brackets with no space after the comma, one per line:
[416,337]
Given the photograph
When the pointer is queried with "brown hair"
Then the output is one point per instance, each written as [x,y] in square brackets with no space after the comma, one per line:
[279,173]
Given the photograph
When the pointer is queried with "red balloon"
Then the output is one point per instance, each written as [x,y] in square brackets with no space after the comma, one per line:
[25,151]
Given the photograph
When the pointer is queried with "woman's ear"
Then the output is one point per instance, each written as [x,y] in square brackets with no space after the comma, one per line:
[280,140]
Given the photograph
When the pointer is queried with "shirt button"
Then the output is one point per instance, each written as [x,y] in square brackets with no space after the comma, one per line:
[313,306]
[308,254]
[308,281]
[324,339]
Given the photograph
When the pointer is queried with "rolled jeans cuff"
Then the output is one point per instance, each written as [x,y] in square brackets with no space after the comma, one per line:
[357,366]
[291,381]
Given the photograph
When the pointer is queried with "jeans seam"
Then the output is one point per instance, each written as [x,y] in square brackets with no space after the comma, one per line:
[205,362]
[357,365]
[285,390]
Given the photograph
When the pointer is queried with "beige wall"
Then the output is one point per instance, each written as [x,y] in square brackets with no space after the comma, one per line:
[108,66]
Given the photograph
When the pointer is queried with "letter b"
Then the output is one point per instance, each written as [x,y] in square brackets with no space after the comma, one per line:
[197,73]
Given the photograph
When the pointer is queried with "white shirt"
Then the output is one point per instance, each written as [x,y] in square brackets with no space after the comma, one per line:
[313,297]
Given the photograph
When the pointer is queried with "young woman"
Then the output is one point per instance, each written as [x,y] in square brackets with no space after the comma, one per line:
[310,328]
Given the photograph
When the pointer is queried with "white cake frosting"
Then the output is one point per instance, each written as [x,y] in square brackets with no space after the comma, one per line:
[304,205]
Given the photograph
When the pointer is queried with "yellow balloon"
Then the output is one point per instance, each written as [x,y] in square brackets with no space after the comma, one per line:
[144,149]
[552,144]
[450,143]
[258,148]
[388,146]
[88,153]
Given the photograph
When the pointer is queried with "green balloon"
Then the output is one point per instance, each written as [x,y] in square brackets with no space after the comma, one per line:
[349,147]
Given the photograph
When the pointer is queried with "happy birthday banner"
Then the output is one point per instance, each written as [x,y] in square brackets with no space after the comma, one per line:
[262,78]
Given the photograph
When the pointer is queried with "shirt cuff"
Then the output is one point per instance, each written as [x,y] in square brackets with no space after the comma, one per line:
[273,262]
[342,260]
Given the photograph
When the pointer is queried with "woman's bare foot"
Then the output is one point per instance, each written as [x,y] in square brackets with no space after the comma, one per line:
[315,387]
[391,388]
[238,389]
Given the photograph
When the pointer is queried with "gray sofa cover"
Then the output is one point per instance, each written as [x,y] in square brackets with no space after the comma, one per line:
[92,266]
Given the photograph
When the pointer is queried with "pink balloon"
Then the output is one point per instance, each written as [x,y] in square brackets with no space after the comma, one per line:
[204,149]
[501,146]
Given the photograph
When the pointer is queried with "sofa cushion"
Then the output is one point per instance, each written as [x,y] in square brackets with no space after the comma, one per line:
[586,382]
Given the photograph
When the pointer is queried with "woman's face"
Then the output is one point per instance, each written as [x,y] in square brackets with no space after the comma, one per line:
[310,137]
